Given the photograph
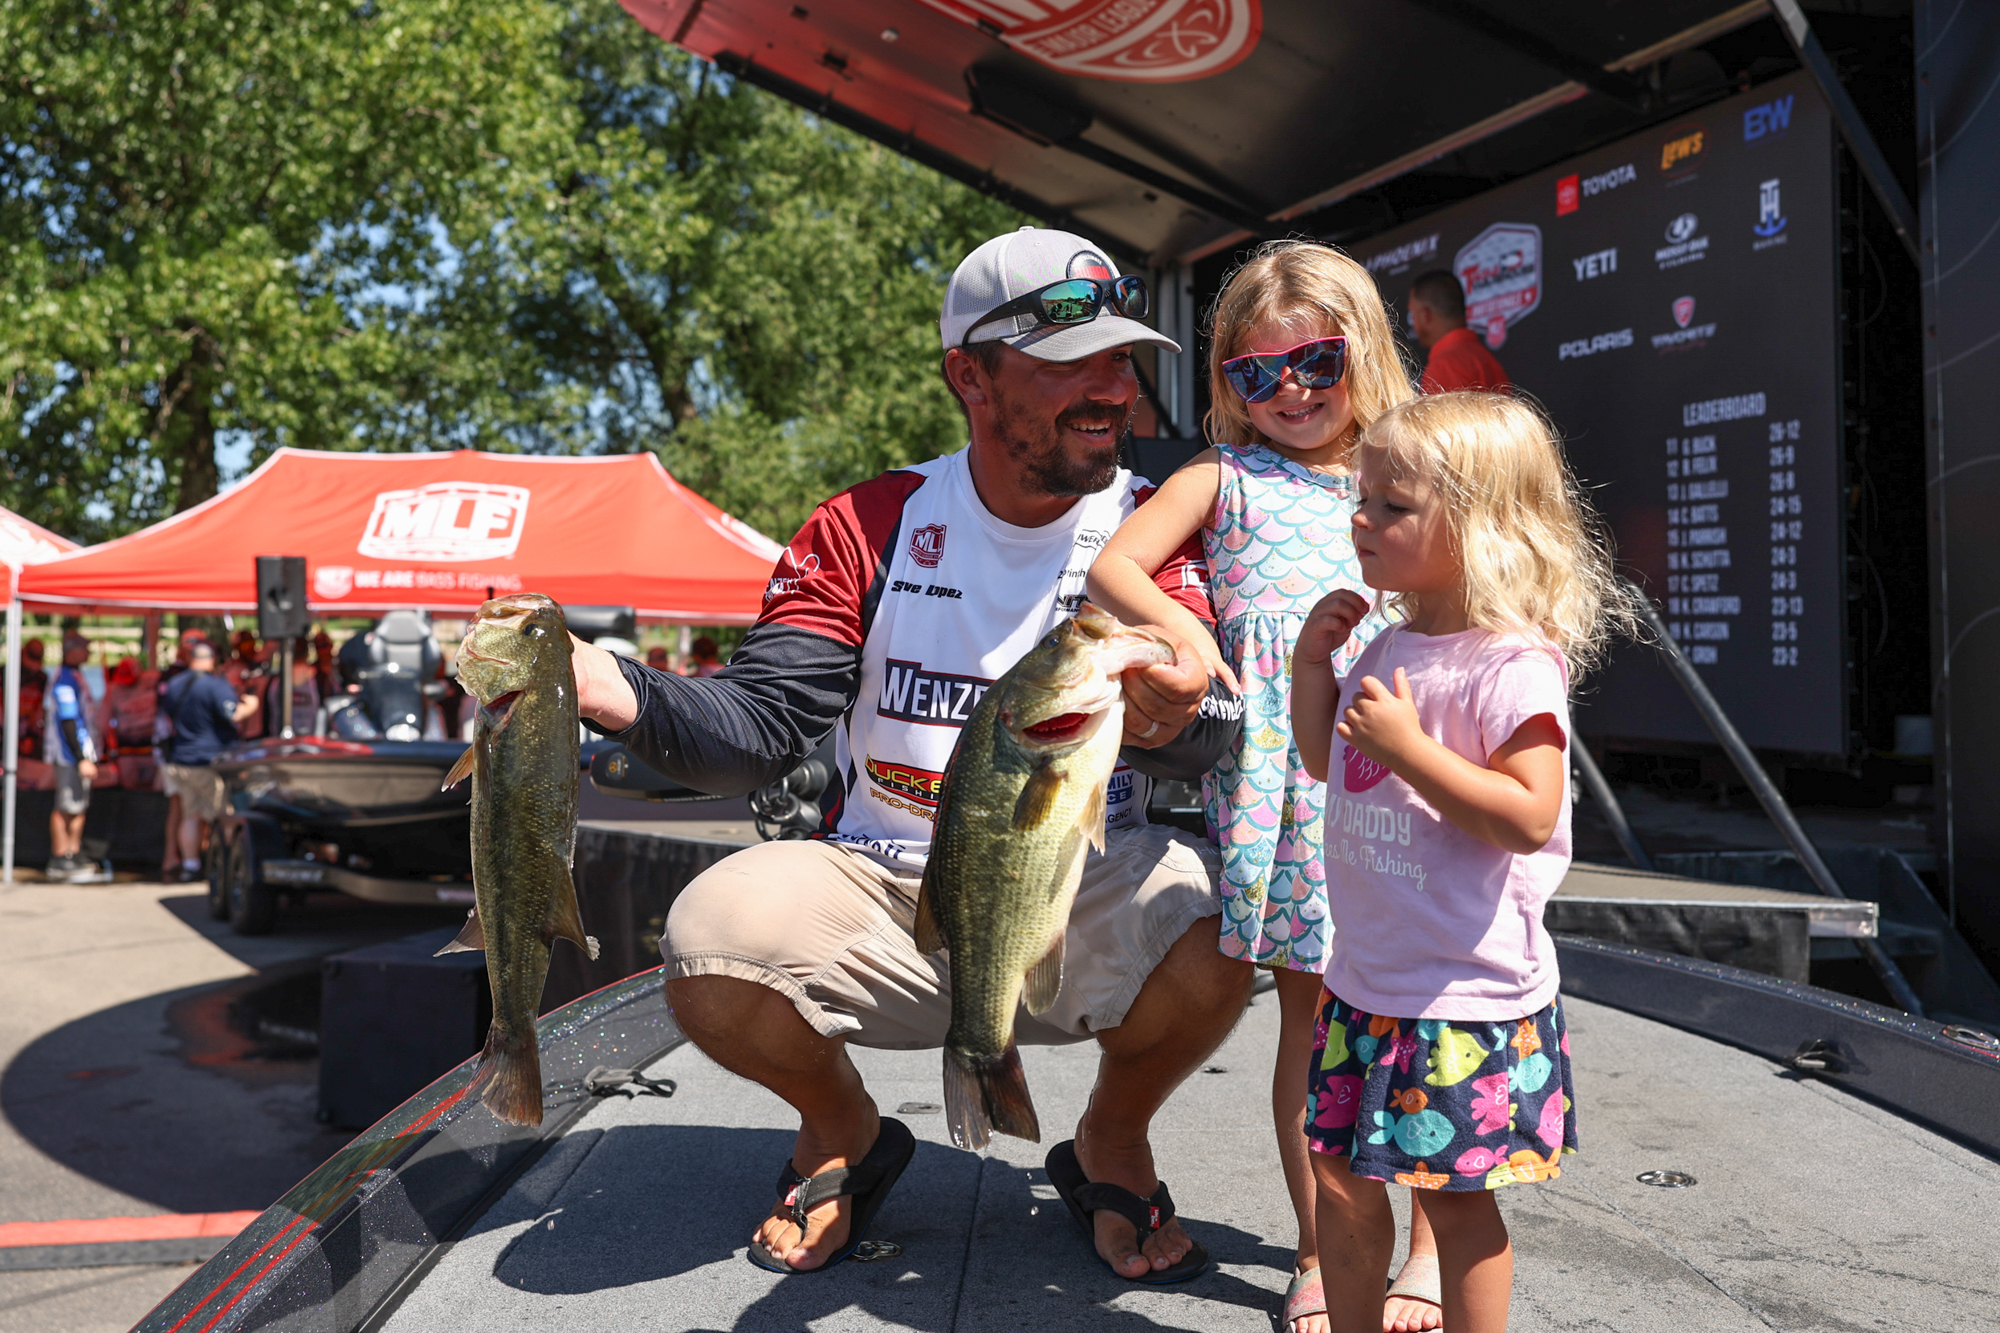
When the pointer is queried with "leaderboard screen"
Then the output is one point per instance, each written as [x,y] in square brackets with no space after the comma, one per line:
[1671,301]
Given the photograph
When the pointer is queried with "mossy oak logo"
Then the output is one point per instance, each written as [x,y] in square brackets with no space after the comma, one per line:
[1131,41]
[446,521]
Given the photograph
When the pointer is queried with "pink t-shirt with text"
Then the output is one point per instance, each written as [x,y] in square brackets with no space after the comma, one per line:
[1429,921]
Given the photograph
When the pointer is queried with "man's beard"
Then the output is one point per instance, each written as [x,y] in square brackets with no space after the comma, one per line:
[1038,446]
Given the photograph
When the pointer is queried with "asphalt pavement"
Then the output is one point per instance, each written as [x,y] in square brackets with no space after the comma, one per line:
[128,1088]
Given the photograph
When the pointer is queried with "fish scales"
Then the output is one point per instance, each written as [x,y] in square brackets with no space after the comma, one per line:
[516,662]
[1022,801]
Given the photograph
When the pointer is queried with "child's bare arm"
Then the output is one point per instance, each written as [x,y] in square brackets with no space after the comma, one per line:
[1121,580]
[1514,803]
[1315,689]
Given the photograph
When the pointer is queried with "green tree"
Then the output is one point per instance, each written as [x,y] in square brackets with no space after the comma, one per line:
[441,223]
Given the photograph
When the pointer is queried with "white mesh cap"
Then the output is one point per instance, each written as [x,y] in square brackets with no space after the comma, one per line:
[1018,262]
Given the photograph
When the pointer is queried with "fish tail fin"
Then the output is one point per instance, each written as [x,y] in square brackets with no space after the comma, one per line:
[510,1069]
[984,1095]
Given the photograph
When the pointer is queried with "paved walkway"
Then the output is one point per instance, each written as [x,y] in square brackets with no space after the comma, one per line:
[1813,1211]
[124,1090]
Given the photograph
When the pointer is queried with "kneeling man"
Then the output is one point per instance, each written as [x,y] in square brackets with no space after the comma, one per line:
[888,615]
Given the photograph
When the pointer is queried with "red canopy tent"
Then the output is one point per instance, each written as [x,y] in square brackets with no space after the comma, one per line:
[434,532]
[23,543]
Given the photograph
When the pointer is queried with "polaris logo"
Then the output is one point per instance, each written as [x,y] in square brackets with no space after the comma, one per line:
[1603,342]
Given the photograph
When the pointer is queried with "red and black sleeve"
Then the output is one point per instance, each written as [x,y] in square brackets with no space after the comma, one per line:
[797,671]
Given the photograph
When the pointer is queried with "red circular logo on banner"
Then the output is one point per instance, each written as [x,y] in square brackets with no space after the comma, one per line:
[1132,41]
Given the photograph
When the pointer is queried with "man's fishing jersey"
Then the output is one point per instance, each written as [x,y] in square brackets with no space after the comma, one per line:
[894,608]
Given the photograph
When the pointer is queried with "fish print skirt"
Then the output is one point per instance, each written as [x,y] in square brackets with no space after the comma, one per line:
[1441,1105]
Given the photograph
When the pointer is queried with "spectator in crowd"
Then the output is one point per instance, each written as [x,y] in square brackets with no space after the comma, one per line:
[125,719]
[163,727]
[704,659]
[305,692]
[1458,359]
[326,675]
[34,685]
[656,658]
[205,712]
[67,742]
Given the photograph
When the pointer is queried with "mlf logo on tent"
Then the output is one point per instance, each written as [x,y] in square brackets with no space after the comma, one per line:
[446,521]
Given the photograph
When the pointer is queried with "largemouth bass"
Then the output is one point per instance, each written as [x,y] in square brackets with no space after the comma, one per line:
[523,764]
[1022,798]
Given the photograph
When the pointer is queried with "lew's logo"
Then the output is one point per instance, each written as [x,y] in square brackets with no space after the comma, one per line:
[1683,151]
[917,784]
[927,545]
[446,521]
[934,698]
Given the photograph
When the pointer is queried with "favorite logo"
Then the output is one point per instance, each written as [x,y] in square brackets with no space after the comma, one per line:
[927,545]
[1689,335]
[905,780]
[1359,772]
[1127,41]
[1682,153]
[446,521]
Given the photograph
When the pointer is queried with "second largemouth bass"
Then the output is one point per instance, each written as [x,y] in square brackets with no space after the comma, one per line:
[523,763]
[1023,797]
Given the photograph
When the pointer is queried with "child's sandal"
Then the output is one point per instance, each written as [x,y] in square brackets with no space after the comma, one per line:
[1305,1296]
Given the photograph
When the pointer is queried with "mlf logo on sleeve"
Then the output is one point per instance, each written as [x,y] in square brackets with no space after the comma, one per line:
[446,521]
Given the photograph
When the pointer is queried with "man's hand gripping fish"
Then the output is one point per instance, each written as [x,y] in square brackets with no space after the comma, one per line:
[1022,798]
[523,763]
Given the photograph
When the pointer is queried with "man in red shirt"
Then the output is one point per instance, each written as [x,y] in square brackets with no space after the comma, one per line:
[1458,359]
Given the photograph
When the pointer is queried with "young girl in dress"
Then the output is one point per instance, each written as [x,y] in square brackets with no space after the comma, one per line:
[1301,360]
[1441,1059]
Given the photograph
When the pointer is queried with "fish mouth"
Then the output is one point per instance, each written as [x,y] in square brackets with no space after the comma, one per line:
[1062,731]
[1059,730]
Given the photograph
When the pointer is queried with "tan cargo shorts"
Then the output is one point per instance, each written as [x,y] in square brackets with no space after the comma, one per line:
[831,928]
[200,788]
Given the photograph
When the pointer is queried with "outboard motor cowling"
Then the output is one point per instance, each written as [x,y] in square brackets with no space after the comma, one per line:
[395,664]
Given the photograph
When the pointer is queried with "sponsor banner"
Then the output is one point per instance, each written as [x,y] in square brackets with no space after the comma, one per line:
[917,784]
[1573,189]
[1684,244]
[1683,151]
[1402,258]
[1771,220]
[1129,41]
[332,582]
[932,698]
[1603,342]
[1501,271]
[1597,264]
[446,521]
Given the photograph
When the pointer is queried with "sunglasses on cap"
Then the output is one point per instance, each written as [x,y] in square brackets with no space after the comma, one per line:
[1072,301]
[1317,364]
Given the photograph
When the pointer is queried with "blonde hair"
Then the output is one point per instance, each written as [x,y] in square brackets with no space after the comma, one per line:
[1304,282]
[1535,555]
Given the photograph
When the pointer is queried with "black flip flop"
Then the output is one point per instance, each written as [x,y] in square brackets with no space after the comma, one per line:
[868,1181]
[1085,1196]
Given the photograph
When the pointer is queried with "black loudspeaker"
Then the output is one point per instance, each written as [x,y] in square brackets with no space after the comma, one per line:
[281,597]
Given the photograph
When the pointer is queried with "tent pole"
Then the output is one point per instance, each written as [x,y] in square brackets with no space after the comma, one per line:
[13,741]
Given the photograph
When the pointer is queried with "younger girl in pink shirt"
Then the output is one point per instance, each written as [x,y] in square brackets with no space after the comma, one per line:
[1440,1060]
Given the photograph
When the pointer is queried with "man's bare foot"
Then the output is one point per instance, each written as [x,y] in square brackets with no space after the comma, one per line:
[1129,1166]
[820,1147]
